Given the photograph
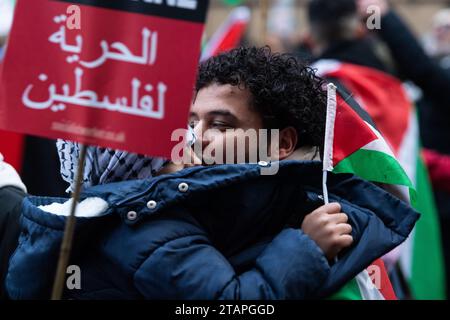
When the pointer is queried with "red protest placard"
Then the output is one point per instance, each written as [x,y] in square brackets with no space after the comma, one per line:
[117,74]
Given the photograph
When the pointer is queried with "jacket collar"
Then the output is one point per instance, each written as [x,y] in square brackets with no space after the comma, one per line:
[305,154]
[149,197]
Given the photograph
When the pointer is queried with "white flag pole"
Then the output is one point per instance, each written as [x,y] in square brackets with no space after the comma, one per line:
[329,137]
[324,187]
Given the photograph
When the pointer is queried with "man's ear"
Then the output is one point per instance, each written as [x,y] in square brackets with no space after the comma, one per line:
[288,142]
[361,31]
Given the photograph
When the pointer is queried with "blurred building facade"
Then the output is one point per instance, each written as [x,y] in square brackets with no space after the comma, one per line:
[417,13]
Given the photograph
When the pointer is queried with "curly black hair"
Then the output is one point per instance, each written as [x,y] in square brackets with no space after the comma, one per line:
[285,91]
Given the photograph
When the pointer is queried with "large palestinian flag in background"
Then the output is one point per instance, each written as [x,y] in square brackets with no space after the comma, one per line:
[372,283]
[229,34]
[386,101]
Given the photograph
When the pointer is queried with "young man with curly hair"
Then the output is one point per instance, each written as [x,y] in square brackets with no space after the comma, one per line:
[251,89]
[223,231]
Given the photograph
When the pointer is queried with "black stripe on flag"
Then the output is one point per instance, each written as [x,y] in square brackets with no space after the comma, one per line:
[348,98]
[174,9]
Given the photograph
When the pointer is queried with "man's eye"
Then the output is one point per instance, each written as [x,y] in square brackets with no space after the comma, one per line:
[219,125]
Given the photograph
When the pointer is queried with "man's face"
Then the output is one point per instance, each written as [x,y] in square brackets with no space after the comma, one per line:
[216,113]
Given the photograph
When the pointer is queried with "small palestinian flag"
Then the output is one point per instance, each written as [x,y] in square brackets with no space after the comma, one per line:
[353,145]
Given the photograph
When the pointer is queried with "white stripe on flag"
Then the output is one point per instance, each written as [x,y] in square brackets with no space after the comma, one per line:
[378,145]
[326,66]
[409,148]
[367,288]
[406,255]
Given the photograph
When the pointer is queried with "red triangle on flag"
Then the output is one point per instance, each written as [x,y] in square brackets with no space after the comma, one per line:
[383,283]
[351,132]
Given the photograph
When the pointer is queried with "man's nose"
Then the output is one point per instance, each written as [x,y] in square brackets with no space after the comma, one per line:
[201,140]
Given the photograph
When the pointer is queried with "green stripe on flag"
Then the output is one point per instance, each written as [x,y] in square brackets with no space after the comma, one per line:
[232,2]
[374,166]
[350,291]
[428,273]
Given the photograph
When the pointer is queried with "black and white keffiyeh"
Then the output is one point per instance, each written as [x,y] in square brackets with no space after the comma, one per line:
[104,165]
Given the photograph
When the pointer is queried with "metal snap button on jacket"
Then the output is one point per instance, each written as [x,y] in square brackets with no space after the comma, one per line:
[183,187]
[263,163]
[131,215]
[151,204]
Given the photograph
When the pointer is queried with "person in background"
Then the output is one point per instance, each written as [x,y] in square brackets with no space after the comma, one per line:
[431,78]
[437,42]
[369,68]
[7,10]
[12,192]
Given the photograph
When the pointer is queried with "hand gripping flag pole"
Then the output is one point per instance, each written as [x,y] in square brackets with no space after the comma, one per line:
[66,245]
